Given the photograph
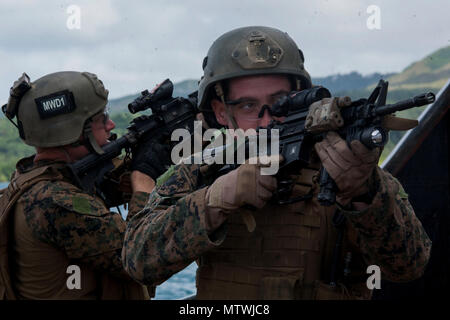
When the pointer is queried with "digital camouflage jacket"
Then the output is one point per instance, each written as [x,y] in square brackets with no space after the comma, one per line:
[56,225]
[290,253]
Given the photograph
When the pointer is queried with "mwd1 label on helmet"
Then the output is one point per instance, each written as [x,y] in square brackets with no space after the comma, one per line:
[55,104]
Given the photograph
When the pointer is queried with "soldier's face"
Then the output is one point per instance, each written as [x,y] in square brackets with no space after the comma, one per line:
[247,96]
[101,128]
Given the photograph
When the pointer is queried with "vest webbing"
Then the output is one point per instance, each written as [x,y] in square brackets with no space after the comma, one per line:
[286,257]
[8,198]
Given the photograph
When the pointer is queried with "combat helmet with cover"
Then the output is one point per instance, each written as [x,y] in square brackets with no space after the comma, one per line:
[55,110]
[249,51]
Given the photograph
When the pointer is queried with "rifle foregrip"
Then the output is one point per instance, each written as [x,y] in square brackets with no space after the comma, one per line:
[327,193]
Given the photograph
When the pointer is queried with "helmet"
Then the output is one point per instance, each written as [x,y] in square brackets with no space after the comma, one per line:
[54,110]
[251,51]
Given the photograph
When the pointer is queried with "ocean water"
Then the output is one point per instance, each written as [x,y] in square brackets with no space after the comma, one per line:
[179,286]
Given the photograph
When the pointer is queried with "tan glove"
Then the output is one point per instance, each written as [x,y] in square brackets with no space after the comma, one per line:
[350,167]
[242,186]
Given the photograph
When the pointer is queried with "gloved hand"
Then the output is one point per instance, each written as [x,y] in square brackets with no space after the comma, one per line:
[242,186]
[151,158]
[350,167]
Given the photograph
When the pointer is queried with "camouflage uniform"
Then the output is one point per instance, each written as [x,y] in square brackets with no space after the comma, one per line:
[47,223]
[56,225]
[299,250]
[171,232]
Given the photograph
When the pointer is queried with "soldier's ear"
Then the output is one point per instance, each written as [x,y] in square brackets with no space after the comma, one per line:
[219,111]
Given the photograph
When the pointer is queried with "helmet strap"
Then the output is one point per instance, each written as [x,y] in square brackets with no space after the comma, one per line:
[297,83]
[219,91]
[66,154]
[87,133]
[201,117]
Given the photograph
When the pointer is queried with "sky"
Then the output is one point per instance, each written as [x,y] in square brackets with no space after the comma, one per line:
[132,45]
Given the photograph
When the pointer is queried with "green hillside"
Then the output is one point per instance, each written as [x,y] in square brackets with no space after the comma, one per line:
[433,71]
[428,74]
[11,149]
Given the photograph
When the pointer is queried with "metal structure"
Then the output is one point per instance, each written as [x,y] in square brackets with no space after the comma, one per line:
[420,161]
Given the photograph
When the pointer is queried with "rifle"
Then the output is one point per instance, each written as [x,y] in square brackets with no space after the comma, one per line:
[92,173]
[311,113]
[365,120]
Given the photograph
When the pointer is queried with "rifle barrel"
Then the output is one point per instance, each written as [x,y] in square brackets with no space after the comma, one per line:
[417,101]
[112,150]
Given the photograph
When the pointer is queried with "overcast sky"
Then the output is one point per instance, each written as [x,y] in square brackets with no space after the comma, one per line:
[132,45]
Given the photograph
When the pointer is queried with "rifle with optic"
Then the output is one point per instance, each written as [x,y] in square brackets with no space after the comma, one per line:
[311,113]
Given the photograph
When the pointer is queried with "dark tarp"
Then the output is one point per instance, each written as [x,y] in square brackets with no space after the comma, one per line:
[421,162]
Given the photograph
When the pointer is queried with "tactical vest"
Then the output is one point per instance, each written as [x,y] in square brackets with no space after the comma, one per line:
[288,256]
[106,287]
